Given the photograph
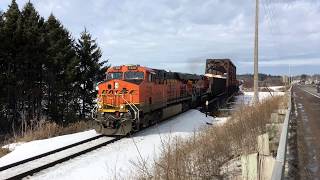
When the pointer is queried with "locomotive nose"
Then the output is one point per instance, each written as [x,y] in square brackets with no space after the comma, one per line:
[114,95]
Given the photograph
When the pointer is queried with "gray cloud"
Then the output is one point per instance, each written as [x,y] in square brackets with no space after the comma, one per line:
[179,35]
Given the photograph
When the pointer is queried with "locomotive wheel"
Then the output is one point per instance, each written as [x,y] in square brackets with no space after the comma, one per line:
[124,129]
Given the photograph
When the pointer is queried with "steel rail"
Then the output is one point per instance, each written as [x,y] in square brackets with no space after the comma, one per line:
[49,153]
[61,160]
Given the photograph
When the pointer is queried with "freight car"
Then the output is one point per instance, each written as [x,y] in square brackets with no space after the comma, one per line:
[223,68]
[134,96]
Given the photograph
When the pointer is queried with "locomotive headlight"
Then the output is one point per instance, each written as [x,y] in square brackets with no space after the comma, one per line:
[116,85]
[122,106]
[99,106]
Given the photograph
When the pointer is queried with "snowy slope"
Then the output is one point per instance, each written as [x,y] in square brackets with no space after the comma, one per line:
[118,159]
[25,150]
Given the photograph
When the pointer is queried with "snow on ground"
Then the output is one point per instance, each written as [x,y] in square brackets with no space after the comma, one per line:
[247,97]
[221,120]
[276,88]
[23,151]
[12,146]
[117,160]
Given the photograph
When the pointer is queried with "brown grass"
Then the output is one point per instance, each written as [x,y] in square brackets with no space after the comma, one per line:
[201,156]
[44,130]
[4,151]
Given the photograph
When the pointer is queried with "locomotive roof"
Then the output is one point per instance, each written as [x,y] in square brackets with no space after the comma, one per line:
[161,73]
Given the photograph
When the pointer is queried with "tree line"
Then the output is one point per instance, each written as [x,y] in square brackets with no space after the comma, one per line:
[264,80]
[45,74]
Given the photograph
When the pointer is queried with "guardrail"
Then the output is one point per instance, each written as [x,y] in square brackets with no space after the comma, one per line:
[279,166]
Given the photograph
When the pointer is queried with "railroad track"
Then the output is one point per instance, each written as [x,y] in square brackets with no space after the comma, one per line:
[29,166]
[32,165]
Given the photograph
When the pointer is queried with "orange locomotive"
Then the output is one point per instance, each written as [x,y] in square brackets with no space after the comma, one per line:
[134,96]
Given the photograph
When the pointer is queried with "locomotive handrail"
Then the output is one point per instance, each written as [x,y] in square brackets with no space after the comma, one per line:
[135,109]
[93,112]
[135,106]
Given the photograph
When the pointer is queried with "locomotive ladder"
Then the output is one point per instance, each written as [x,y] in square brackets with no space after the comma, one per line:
[134,108]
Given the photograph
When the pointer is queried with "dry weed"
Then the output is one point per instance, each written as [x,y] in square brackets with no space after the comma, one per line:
[201,156]
[4,151]
[43,130]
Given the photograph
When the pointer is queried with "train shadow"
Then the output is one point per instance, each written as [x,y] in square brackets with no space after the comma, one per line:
[187,122]
[184,123]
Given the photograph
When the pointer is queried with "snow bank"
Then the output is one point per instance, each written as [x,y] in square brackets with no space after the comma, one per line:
[117,161]
[23,151]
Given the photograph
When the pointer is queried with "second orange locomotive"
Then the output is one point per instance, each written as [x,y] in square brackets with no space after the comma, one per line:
[133,96]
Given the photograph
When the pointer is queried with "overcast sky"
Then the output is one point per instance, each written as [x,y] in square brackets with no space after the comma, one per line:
[178,35]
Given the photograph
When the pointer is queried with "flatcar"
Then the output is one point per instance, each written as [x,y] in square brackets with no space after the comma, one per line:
[133,96]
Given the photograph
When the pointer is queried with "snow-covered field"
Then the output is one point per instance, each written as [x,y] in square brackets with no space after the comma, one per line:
[262,95]
[247,97]
[118,160]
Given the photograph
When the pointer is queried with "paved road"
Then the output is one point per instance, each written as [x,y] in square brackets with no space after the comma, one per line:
[307,110]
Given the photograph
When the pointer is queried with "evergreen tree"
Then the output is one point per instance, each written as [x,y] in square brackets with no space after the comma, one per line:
[31,58]
[43,71]
[87,71]
[11,34]
[10,42]
[60,56]
[3,120]
[2,65]
[1,19]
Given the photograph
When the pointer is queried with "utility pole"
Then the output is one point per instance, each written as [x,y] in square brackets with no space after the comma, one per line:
[256,54]
[289,74]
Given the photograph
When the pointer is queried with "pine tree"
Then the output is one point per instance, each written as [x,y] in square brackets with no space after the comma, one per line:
[2,64]
[3,120]
[40,64]
[88,71]
[11,32]
[60,56]
[31,58]
[1,19]
[10,43]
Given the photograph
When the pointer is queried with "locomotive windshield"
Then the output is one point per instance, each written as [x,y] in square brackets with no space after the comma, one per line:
[114,75]
[133,75]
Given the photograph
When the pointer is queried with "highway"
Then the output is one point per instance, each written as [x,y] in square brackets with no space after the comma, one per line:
[307,115]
